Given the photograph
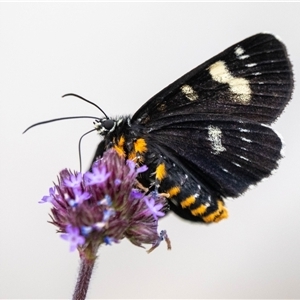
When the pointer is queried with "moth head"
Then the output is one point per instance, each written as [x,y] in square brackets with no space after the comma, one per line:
[104,126]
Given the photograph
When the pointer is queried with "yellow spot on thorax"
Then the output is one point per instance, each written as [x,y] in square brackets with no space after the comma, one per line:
[217,215]
[139,147]
[161,172]
[119,146]
[188,201]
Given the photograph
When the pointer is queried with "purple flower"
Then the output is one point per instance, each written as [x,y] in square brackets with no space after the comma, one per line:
[123,211]
[73,237]
[142,169]
[117,182]
[99,225]
[106,201]
[136,194]
[85,230]
[133,170]
[74,181]
[79,198]
[132,167]
[153,208]
[49,198]
[107,214]
[98,176]
[109,240]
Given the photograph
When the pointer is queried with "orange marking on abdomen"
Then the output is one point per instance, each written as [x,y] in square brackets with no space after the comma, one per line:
[217,215]
[200,210]
[161,172]
[173,191]
[188,201]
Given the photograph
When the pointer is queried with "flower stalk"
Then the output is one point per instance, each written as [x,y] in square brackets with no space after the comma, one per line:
[83,280]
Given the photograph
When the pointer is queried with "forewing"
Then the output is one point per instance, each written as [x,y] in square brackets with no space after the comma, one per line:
[225,153]
[251,80]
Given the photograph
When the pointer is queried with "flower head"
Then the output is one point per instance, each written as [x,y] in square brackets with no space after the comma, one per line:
[105,206]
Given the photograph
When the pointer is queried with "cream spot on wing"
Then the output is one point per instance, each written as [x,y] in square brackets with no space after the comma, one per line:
[236,164]
[244,130]
[239,86]
[251,65]
[243,56]
[189,92]
[243,157]
[239,51]
[215,135]
[246,140]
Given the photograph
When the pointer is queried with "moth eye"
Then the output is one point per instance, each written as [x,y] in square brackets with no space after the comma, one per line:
[108,124]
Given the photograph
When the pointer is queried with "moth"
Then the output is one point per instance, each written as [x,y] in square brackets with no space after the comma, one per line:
[207,136]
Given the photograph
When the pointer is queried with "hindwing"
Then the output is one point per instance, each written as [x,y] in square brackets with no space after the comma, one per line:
[224,152]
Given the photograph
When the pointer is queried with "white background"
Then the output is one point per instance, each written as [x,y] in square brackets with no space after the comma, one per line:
[119,55]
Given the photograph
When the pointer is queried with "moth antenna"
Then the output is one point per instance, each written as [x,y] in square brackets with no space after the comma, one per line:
[60,119]
[88,101]
[79,148]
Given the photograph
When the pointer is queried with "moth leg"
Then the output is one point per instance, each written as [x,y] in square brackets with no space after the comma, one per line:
[166,195]
[141,187]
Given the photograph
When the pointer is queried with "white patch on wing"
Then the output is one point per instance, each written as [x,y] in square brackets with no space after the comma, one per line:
[244,130]
[243,56]
[189,92]
[239,86]
[246,140]
[215,135]
[239,51]
[243,157]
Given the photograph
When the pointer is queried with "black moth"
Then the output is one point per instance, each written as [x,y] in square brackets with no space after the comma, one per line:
[206,136]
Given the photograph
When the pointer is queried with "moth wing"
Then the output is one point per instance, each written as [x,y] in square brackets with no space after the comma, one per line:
[251,80]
